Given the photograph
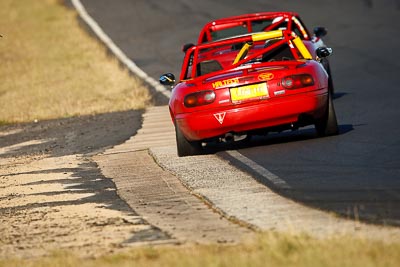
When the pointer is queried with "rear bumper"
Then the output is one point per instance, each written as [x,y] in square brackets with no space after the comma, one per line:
[265,114]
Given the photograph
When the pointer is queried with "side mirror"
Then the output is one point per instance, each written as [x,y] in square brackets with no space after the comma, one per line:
[167,79]
[185,47]
[320,32]
[323,52]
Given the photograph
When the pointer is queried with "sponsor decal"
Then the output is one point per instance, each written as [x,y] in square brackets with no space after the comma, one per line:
[266,76]
[220,117]
[223,101]
[281,92]
[226,82]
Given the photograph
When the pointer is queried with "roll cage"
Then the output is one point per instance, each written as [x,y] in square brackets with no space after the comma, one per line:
[251,23]
[227,54]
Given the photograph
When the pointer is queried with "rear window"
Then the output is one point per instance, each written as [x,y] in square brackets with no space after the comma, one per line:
[225,33]
[260,25]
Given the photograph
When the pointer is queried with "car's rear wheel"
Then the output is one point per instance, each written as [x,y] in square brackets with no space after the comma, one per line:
[327,125]
[185,147]
[330,81]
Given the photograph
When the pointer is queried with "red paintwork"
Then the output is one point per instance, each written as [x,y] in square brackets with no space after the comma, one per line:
[280,111]
[282,107]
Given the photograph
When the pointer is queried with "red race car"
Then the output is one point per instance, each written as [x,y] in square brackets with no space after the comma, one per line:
[249,84]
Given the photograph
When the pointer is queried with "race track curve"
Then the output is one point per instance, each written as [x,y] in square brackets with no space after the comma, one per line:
[355,174]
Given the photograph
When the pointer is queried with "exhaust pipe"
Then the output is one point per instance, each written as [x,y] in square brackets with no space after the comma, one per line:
[228,138]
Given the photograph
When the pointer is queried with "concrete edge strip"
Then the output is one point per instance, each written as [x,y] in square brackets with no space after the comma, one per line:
[116,50]
[203,198]
[211,205]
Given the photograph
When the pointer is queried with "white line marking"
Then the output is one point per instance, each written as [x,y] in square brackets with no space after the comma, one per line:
[116,50]
[278,182]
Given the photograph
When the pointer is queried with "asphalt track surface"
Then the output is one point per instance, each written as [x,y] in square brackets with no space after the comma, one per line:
[356,174]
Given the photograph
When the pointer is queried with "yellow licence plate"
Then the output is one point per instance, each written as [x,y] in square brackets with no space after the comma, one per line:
[259,90]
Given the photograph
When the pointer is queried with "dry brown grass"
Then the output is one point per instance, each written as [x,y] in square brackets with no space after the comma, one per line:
[51,68]
[271,249]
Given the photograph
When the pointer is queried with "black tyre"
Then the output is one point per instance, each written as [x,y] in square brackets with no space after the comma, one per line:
[185,147]
[327,67]
[330,81]
[327,125]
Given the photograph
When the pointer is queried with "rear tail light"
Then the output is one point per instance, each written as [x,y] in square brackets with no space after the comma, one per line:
[199,99]
[297,81]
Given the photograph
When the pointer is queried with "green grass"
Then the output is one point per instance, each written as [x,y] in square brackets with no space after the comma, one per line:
[51,68]
[270,249]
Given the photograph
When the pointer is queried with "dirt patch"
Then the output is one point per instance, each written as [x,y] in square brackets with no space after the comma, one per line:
[52,195]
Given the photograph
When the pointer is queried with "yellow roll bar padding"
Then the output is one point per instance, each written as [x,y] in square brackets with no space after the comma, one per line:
[272,35]
[262,36]
[242,53]
[266,35]
[302,48]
